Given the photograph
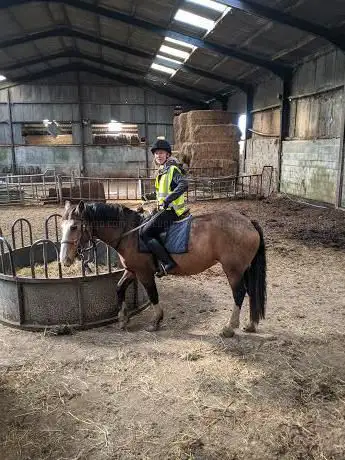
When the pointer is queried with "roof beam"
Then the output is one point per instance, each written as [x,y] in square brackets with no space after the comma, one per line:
[257,9]
[69,32]
[105,74]
[276,67]
[113,65]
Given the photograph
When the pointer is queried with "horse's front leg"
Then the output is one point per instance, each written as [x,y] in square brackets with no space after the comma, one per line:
[126,279]
[149,283]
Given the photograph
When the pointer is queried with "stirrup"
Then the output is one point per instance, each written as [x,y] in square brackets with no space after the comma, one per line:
[161,271]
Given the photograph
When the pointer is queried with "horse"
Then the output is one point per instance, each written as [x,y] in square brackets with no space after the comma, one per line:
[226,237]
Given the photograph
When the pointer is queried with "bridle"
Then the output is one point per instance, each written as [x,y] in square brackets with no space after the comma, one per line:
[81,249]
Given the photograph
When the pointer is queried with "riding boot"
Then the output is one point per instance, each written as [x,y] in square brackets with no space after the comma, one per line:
[166,262]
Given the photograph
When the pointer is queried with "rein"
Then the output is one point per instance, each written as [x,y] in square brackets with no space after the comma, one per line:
[123,235]
[81,250]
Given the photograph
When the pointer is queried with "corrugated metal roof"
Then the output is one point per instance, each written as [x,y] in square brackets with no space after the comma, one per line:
[238,30]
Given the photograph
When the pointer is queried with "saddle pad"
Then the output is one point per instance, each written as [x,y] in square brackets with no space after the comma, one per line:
[175,239]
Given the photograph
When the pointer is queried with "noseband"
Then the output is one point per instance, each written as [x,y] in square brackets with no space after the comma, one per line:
[79,244]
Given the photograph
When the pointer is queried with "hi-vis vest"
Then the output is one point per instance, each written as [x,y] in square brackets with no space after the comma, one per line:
[163,189]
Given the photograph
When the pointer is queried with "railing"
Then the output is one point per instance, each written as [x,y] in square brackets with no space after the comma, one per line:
[57,189]
[20,189]
[24,252]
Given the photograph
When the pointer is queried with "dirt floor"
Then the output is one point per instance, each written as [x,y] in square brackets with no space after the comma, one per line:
[184,392]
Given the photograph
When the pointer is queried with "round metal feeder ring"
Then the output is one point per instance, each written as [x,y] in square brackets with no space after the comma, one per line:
[38,303]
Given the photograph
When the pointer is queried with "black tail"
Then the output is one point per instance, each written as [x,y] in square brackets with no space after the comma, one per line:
[257,280]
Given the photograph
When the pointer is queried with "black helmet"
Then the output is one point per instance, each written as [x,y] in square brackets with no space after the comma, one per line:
[161,144]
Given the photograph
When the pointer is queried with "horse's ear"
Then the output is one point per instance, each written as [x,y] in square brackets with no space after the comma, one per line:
[67,205]
[80,208]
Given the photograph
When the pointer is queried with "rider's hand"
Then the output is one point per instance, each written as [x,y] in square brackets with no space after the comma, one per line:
[165,205]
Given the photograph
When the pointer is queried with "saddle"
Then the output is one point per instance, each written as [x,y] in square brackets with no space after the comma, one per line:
[176,238]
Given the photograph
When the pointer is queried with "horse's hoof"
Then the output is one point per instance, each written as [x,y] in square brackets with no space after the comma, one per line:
[251,328]
[152,328]
[227,332]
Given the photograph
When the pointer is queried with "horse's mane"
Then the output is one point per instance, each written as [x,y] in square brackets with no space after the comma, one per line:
[109,213]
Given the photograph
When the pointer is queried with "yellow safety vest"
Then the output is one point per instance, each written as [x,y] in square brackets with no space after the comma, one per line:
[163,189]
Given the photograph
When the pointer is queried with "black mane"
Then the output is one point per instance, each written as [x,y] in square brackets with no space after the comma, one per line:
[110,214]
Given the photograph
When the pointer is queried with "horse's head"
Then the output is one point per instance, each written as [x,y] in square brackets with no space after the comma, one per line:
[75,233]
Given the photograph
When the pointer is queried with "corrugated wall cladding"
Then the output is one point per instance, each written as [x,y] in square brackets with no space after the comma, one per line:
[102,103]
[317,116]
[105,113]
[44,93]
[5,133]
[39,112]
[5,159]
[112,95]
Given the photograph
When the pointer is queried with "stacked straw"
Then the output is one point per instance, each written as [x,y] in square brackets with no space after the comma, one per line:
[206,139]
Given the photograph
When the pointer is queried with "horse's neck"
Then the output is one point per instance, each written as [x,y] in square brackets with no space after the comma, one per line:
[112,236]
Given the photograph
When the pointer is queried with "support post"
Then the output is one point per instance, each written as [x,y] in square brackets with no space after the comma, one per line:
[341,159]
[284,123]
[225,103]
[10,118]
[146,134]
[82,133]
[249,123]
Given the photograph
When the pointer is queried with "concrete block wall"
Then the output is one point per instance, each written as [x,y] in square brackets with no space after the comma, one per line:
[310,168]
[118,161]
[100,161]
[40,158]
[262,152]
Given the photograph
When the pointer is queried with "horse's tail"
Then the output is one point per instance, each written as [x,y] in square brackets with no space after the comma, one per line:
[257,280]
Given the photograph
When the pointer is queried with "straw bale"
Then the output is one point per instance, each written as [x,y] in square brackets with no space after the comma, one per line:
[176,124]
[182,127]
[214,168]
[219,133]
[209,117]
[206,150]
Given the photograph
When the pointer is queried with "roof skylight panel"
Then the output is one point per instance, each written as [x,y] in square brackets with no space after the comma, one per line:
[212,5]
[194,20]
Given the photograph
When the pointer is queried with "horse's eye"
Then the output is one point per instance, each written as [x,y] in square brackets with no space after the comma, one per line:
[73,227]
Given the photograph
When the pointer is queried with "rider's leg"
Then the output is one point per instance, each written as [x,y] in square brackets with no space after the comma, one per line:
[150,235]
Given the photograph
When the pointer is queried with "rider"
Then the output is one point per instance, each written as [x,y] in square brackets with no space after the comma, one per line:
[171,184]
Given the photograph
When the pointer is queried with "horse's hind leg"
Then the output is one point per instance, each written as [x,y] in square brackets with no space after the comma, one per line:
[238,286]
[149,283]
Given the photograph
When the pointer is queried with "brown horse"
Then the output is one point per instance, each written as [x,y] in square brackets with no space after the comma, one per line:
[226,237]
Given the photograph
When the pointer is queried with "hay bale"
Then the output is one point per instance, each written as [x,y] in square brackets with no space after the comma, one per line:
[207,150]
[182,127]
[176,126]
[216,168]
[219,133]
[209,117]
